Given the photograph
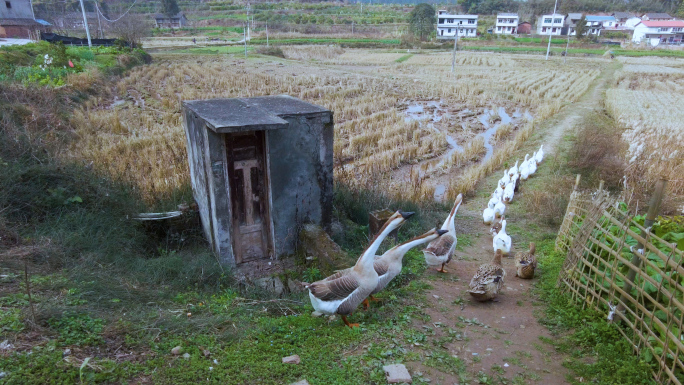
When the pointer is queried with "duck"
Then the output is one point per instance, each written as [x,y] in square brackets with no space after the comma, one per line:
[517,182]
[524,169]
[493,200]
[532,165]
[509,192]
[342,292]
[513,170]
[389,264]
[502,241]
[496,227]
[540,155]
[499,208]
[526,263]
[441,250]
[505,179]
[499,191]
[488,215]
[488,280]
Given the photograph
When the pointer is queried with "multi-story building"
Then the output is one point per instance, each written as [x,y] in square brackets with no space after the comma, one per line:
[596,23]
[506,23]
[550,24]
[18,21]
[657,32]
[451,25]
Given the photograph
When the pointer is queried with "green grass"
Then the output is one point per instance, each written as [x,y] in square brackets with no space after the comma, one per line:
[598,352]
[231,49]
[403,58]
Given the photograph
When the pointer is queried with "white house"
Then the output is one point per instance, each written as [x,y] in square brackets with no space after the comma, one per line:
[596,23]
[506,23]
[550,24]
[451,25]
[630,23]
[659,32]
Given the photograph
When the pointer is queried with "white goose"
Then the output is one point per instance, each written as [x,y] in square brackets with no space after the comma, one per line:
[488,215]
[342,292]
[502,241]
[441,250]
[493,200]
[540,155]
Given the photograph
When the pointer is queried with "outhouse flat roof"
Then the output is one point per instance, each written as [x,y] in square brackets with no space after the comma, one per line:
[250,114]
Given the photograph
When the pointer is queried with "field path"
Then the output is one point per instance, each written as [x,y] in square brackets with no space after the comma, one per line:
[501,340]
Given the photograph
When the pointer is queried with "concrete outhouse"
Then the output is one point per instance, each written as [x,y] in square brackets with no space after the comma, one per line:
[260,168]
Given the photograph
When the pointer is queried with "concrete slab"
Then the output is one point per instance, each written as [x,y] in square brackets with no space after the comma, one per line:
[302,382]
[283,105]
[8,41]
[234,115]
[397,374]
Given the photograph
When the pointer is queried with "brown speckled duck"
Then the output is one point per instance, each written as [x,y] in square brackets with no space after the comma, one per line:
[526,263]
[488,279]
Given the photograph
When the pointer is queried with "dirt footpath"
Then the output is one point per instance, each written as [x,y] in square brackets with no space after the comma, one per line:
[501,342]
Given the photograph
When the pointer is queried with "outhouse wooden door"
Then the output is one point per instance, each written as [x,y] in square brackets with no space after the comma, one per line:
[249,195]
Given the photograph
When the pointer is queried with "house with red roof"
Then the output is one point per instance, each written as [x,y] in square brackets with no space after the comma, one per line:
[659,32]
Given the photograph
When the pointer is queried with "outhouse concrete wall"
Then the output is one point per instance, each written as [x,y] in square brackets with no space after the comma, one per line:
[299,164]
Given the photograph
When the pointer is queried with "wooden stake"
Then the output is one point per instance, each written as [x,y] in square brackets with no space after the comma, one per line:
[28,292]
[653,208]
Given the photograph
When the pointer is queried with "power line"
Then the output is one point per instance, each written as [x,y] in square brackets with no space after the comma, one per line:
[115,20]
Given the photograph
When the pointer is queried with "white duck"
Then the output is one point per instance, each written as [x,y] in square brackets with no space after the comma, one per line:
[493,200]
[342,292]
[498,193]
[441,250]
[488,215]
[524,169]
[505,179]
[513,170]
[499,208]
[532,164]
[502,241]
[540,155]
[509,191]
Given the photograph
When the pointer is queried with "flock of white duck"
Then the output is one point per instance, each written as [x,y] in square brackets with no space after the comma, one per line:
[342,292]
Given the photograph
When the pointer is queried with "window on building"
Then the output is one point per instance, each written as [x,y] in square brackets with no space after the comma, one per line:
[557,21]
[8,4]
[501,21]
[450,20]
[441,21]
[449,30]
[547,20]
[543,29]
[471,21]
[499,28]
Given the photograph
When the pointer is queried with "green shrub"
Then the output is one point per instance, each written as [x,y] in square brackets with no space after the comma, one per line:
[78,329]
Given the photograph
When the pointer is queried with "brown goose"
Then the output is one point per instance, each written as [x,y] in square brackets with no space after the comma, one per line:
[441,250]
[389,264]
[345,290]
[526,263]
[488,279]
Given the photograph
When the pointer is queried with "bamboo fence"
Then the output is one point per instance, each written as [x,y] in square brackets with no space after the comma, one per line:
[616,265]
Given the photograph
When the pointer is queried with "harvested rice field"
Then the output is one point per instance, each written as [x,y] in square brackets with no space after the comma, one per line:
[399,117]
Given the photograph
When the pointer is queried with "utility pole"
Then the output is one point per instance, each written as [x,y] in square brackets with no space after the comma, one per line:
[352,27]
[85,22]
[244,37]
[453,56]
[548,48]
[266,35]
[567,45]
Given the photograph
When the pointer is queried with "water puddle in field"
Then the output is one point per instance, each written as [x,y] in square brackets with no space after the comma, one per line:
[429,113]
[116,102]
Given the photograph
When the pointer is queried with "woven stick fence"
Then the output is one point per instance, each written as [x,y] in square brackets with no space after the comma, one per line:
[617,265]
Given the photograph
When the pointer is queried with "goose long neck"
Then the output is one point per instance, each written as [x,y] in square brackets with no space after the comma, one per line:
[369,255]
[402,249]
[449,222]
[503,227]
